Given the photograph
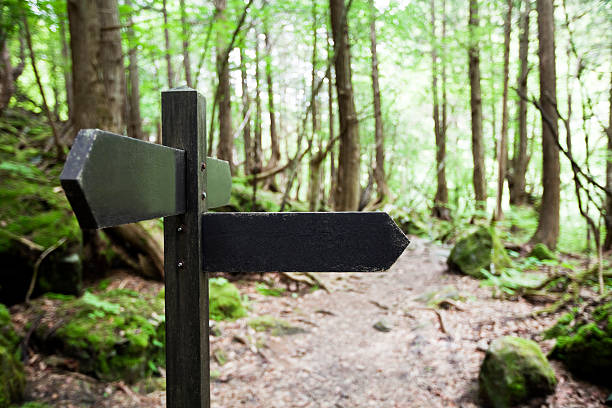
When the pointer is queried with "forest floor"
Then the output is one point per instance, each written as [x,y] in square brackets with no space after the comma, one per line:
[423,357]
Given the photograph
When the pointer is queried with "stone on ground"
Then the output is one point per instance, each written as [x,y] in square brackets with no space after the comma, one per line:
[514,371]
[12,378]
[480,250]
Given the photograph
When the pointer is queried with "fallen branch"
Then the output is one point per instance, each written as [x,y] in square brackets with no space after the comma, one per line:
[42,256]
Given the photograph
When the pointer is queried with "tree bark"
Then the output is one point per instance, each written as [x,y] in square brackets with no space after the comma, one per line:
[225,147]
[246,113]
[333,174]
[348,188]
[98,81]
[548,221]
[134,125]
[185,35]
[518,196]
[274,145]
[316,159]
[379,169]
[67,72]
[257,159]
[8,73]
[169,70]
[608,216]
[480,187]
[440,209]
[502,150]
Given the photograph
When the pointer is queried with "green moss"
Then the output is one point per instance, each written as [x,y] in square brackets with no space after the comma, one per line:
[224,300]
[114,334]
[273,325]
[541,252]
[35,404]
[12,377]
[480,250]
[514,371]
[242,199]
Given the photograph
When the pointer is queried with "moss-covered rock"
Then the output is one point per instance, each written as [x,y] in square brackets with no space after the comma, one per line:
[409,223]
[117,334]
[514,371]
[541,252]
[275,326]
[12,377]
[584,342]
[224,300]
[477,251]
[241,199]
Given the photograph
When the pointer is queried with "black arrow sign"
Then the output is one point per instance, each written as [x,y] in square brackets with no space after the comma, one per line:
[300,242]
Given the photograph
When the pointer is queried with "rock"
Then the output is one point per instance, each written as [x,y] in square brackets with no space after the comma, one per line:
[12,377]
[478,251]
[224,300]
[514,371]
[275,326]
[541,252]
[112,335]
[584,343]
[382,326]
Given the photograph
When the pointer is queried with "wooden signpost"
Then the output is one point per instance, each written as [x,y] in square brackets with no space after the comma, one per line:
[112,180]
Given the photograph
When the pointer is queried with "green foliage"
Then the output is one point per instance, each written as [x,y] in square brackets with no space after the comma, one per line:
[514,371]
[224,300]
[510,280]
[269,291]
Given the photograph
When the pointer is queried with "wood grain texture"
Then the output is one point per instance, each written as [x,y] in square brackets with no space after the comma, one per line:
[111,179]
[301,242]
[187,362]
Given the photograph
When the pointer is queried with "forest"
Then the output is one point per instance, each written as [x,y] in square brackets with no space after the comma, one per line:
[483,128]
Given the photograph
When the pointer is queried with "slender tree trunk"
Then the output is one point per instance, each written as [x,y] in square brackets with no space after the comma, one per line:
[8,73]
[185,35]
[608,216]
[348,187]
[379,169]
[316,159]
[520,159]
[134,125]
[548,221]
[274,145]
[225,148]
[440,209]
[169,70]
[480,190]
[502,151]
[67,72]
[333,174]
[257,153]
[246,113]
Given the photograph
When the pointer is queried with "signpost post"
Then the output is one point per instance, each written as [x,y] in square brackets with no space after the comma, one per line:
[112,180]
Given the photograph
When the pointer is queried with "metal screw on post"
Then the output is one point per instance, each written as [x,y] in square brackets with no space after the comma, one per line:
[204,195]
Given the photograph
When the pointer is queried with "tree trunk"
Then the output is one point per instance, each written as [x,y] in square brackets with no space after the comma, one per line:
[246,113]
[185,35]
[379,169]
[225,148]
[8,73]
[608,217]
[440,209]
[502,151]
[333,174]
[348,188]
[98,81]
[316,159]
[257,159]
[134,125]
[67,72]
[548,221]
[169,70]
[480,186]
[520,159]
[274,145]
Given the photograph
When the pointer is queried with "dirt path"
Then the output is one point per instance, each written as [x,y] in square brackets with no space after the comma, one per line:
[342,361]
